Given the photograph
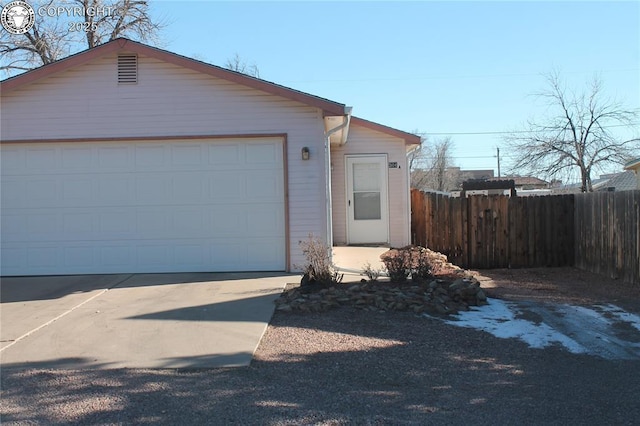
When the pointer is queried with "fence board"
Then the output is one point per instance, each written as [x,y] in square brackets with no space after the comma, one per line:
[598,232]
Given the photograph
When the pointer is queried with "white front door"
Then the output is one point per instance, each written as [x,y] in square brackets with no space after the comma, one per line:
[367,205]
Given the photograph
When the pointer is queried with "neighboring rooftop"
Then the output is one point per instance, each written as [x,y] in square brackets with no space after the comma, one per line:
[625,181]
[526,182]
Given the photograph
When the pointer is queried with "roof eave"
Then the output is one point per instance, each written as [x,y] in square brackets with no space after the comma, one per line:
[409,138]
[74,60]
[632,164]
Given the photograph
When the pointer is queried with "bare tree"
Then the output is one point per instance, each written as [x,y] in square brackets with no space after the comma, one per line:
[577,134]
[431,165]
[64,27]
[236,63]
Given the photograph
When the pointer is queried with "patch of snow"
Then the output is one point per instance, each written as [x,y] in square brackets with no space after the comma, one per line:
[622,315]
[579,329]
[499,319]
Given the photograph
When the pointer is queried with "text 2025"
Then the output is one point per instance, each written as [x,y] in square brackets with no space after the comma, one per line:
[82,26]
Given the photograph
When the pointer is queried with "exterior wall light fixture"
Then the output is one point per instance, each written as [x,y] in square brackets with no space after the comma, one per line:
[305,153]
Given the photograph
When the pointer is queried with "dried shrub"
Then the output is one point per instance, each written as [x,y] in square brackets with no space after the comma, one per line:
[422,268]
[371,273]
[318,269]
[398,264]
[410,260]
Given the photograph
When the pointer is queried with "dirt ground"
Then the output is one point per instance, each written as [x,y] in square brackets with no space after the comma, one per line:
[558,285]
[346,367]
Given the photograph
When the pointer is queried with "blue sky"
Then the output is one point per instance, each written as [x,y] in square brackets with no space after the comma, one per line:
[434,67]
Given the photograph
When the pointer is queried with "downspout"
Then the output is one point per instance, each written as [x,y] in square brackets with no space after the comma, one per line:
[327,162]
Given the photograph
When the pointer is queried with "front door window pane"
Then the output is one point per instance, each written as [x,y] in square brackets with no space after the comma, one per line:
[366,206]
[366,177]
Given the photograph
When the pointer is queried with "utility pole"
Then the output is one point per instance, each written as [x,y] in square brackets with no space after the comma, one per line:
[498,155]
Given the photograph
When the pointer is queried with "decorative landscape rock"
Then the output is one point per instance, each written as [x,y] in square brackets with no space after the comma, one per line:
[422,294]
[437,297]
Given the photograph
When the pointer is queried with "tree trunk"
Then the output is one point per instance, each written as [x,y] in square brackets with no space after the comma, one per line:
[586,181]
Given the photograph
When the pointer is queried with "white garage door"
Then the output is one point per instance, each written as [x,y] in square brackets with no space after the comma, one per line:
[158,206]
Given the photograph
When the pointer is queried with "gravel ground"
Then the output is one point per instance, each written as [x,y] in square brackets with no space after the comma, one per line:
[352,367]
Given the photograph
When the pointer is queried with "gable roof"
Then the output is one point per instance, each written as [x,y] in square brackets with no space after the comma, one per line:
[327,106]
[126,45]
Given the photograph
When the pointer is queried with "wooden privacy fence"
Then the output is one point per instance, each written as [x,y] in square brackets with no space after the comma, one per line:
[597,232]
[607,230]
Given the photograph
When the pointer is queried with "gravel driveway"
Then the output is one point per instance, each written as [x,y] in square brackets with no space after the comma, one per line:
[346,367]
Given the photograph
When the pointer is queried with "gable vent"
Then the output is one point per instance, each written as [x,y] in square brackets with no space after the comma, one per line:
[127,69]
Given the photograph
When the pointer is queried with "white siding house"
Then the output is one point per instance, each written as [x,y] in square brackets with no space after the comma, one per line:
[127,158]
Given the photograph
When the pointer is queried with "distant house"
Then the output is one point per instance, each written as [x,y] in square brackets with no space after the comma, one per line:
[474,174]
[634,166]
[621,181]
[525,183]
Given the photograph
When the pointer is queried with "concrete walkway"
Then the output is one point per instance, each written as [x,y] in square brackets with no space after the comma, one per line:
[351,260]
[135,321]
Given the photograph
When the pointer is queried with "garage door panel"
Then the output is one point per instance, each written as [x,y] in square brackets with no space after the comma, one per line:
[14,256]
[77,158]
[152,189]
[13,226]
[149,156]
[79,224]
[263,153]
[81,257]
[152,224]
[153,255]
[43,257]
[115,158]
[116,223]
[11,161]
[46,224]
[186,154]
[224,155]
[188,188]
[264,184]
[190,221]
[114,190]
[229,221]
[190,255]
[266,221]
[41,159]
[78,191]
[115,257]
[40,191]
[227,253]
[176,206]
[12,191]
[264,251]
[224,187]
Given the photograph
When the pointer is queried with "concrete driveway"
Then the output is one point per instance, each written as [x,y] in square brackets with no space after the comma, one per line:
[194,320]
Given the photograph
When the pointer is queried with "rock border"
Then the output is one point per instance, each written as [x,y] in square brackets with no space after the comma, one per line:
[438,296]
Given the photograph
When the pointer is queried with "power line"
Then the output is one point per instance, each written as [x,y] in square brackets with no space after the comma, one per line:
[445,77]
[506,133]
[475,133]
